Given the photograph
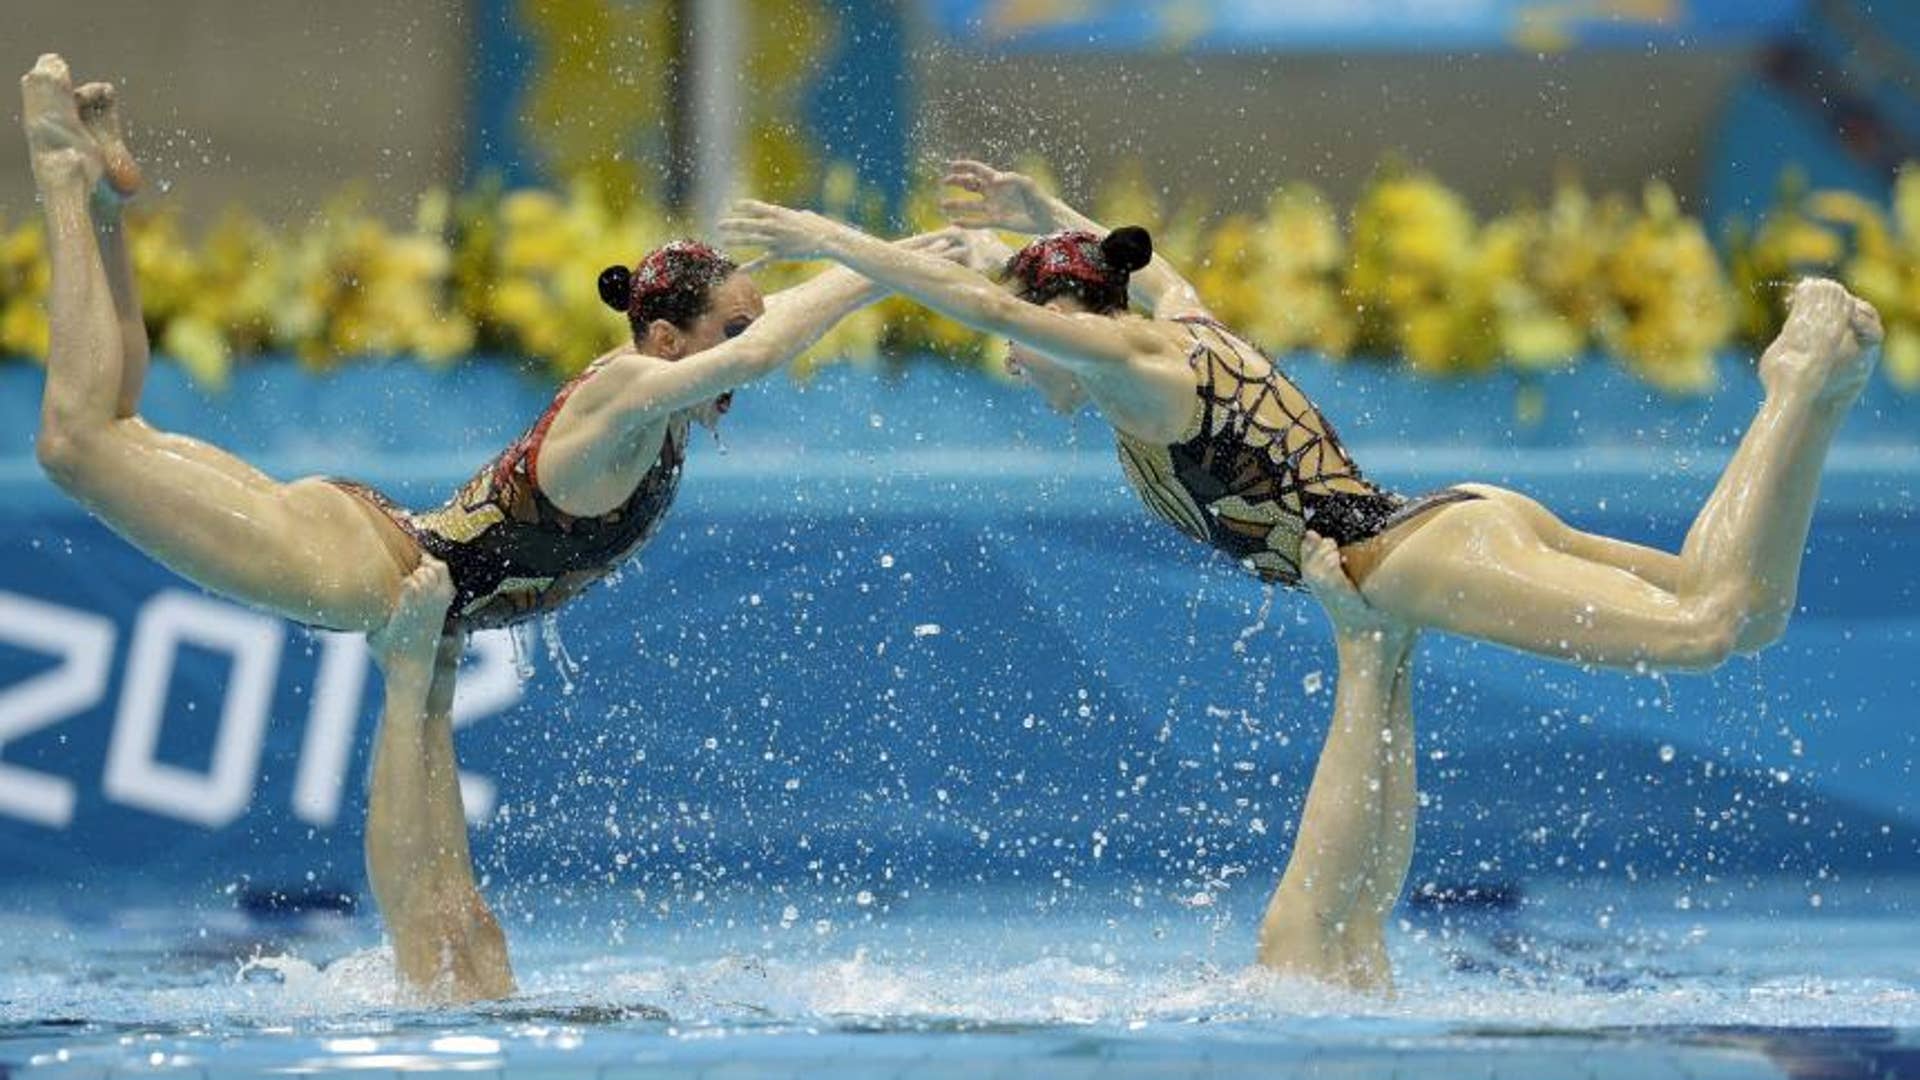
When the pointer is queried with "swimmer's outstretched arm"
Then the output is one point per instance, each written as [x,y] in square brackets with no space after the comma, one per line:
[1016,202]
[794,320]
[1327,919]
[447,945]
[1080,342]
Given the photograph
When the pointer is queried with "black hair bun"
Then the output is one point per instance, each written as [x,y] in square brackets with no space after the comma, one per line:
[616,287]
[1127,248]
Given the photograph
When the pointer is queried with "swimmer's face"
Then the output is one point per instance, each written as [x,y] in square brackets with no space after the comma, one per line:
[732,306]
[1062,389]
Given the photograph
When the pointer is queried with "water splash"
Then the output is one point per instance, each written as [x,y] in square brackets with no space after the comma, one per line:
[521,634]
[557,655]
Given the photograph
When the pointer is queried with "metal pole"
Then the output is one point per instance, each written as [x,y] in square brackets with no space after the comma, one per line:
[716,53]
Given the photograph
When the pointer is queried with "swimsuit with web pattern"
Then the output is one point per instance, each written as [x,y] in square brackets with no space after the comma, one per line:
[511,552]
[1258,465]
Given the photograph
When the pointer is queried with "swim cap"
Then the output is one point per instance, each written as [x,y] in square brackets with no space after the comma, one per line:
[1092,269]
[671,283]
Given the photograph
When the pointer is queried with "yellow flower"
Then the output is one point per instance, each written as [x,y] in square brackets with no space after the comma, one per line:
[1671,310]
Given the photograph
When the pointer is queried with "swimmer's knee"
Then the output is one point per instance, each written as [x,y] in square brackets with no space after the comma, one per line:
[1746,620]
[1762,628]
[73,453]
[57,453]
[66,453]
[1708,632]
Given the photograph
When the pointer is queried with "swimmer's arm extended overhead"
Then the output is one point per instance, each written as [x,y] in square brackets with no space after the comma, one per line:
[1017,203]
[1079,342]
[447,945]
[1327,918]
[795,318]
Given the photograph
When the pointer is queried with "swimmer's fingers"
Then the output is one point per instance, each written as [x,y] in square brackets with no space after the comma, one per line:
[948,244]
[436,581]
[972,175]
[1321,569]
[415,625]
[750,230]
[965,182]
[968,213]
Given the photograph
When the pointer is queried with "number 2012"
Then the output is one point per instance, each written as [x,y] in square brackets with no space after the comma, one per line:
[135,777]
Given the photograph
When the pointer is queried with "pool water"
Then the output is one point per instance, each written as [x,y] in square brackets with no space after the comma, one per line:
[1762,979]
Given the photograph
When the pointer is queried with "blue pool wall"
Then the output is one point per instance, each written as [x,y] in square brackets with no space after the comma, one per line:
[904,631]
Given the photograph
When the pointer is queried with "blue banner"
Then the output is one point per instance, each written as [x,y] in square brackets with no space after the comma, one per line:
[1132,25]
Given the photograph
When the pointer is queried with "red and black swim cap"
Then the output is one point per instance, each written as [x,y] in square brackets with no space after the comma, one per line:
[1082,265]
[674,282]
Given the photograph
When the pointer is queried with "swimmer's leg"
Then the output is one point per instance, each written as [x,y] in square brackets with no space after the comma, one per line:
[305,550]
[1393,844]
[100,114]
[1480,569]
[1327,917]
[1663,569]
[447,945]
[1748,540]
[1752,533]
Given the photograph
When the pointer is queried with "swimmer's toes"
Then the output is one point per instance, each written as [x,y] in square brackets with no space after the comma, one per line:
[1866,323]
[100,112]
[47,90]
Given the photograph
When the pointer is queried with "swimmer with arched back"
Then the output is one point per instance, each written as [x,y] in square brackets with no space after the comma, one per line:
[1217,441]
[1220,443]
[562,507]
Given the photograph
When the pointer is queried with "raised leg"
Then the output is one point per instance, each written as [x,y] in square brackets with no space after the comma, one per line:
[1479,569]
[1506,570]
[100,115]
[1752,534]
[305,550]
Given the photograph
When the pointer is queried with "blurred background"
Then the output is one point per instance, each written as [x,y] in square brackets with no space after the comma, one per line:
[905,627]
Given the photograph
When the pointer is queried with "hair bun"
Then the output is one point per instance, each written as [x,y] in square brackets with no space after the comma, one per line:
[616,287]
[1127,248]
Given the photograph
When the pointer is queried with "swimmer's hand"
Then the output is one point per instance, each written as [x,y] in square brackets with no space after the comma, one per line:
[1322,572]
[985,252]
[413,632]
[949,244]
[1006,200]
[785,233]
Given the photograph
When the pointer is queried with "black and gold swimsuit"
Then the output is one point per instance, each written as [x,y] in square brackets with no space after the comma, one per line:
[1258,465]
[511,552]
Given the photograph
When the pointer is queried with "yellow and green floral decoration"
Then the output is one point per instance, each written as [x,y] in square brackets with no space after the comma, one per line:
[1406,276]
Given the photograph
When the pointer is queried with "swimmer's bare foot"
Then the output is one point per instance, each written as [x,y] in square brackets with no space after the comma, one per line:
[413,632]
[100,114]
[1827,347]
[60,147]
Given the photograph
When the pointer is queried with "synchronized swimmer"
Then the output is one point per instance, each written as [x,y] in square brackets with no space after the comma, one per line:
[1211,433]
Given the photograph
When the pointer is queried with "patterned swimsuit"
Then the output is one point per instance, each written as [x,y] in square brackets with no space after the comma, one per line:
[1258,465]
[512,553]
